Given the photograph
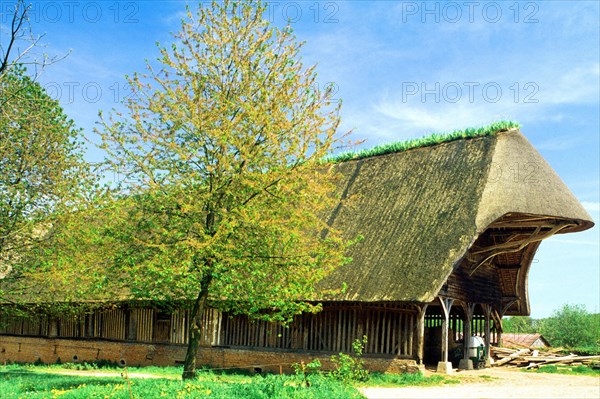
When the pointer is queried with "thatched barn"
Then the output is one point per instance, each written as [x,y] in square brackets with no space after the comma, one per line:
[449,234]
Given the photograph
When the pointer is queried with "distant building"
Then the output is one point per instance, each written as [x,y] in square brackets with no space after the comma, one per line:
[524,340]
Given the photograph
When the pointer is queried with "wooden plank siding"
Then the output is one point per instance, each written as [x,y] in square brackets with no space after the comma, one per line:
[389,327]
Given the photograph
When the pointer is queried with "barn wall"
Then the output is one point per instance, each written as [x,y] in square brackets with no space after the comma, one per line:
[390,328]
[482,286]
[49,350]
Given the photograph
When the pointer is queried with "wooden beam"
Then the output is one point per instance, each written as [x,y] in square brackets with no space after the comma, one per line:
[446,307]
[516,220]
[522,224]
[487,311]
[509,303]
[468,308]
[509,246]
[512,357]
[420,333]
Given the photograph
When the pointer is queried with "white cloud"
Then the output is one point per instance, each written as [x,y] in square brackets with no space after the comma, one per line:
[578,85]
[415,115]
[433,104]
[591,206]
[559,143]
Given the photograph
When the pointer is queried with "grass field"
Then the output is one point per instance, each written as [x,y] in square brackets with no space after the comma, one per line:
[43,382]
[29,381]
[570,370]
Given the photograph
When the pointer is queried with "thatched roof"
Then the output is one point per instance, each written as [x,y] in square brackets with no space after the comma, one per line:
[420,210]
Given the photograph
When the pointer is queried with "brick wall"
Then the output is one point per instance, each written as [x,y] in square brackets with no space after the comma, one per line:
[48,350]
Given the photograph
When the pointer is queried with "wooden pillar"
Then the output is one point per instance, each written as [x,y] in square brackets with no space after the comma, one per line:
[506,304]
[421,333]
[53,328]
[468,309]
[466,363]
[446,304]
[499,331]
[487,311]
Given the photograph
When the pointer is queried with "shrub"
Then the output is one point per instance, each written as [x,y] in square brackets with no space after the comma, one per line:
[572,326]
[349,368]
[303,370]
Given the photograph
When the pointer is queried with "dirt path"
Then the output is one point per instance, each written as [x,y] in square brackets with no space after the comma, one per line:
[499,383]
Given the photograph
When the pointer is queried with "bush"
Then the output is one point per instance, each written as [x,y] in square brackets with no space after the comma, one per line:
[350,368]
[520,324]
[304,370]
[572,326]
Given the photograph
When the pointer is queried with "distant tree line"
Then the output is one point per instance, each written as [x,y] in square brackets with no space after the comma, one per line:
[571,326]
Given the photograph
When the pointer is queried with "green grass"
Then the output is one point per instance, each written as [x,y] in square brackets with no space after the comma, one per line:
[402,380]
[171,371]
[38,382]
[569,370]
[433,139]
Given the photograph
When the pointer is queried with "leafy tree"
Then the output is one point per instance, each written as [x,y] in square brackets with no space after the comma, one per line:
[67,264]
[572,326]
[520,324]
[222,181]
[42,171]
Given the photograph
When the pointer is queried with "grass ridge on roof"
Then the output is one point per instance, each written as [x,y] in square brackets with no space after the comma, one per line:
[426,141]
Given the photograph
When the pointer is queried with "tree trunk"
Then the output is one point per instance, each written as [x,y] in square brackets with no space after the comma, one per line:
[195,329]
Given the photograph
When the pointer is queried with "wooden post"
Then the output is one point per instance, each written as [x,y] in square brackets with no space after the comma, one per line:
[499,316]
[487,311]
[446,304]
[53,328]
[420,334]
[499,333]
[466,363]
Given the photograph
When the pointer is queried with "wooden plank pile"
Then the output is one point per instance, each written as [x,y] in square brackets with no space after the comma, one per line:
[533,358]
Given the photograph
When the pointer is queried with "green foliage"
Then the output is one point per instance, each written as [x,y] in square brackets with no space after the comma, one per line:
[222,188]
[520,324]
[572,326]
[405,379]
[304,370]
[17,383]
[350,368]
[433,139]
[43,177]
[569,370]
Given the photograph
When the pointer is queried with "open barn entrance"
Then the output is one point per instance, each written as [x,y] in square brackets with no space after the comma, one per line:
[433,331]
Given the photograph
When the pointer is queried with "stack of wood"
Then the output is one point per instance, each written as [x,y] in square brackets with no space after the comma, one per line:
[533,358]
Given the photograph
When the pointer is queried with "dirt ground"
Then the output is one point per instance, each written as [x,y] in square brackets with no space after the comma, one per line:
[498,383]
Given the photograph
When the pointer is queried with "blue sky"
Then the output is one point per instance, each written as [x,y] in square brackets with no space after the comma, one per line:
[403,69]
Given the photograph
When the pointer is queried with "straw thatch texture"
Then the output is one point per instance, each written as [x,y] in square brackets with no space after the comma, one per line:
[521,181]
[420,210]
